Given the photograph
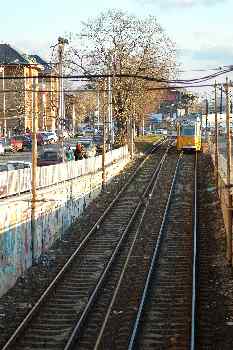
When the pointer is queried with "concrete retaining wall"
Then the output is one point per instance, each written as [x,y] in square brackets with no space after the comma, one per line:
[58,206]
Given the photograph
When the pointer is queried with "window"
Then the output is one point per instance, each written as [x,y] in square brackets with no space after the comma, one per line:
[50,156]
[187,131]
[19,138]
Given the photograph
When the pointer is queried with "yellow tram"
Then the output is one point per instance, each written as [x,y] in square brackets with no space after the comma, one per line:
[189,134]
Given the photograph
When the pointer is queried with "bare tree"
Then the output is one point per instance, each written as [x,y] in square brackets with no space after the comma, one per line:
[117,43]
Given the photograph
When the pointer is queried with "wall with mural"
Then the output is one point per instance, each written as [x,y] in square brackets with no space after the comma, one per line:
[57,207]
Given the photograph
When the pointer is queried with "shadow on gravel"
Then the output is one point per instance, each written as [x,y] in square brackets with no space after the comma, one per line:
[215,314]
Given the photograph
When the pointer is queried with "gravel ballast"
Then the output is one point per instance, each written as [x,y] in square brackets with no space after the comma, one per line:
[217,303]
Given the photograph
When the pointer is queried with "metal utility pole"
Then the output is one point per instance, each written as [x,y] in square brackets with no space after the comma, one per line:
[73,118]
[110,128]
[206,120]
[34,168]
[43,98]
[4,102]
[216,132]
[221,100]
[98,106]
[61,44]
[131,130]
[103,154]
[229,204]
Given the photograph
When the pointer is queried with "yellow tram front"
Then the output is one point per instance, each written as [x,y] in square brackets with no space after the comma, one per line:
[189,136]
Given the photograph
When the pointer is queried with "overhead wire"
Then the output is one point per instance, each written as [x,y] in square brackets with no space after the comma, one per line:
[136,76]
[105,90]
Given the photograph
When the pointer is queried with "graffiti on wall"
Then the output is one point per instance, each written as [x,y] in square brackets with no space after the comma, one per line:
[56,210]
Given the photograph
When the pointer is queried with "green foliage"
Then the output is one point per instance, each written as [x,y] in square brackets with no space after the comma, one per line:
[143,143]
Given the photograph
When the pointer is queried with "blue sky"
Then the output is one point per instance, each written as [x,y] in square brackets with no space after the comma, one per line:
[202,29]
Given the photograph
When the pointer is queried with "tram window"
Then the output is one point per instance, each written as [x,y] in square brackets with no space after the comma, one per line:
[187,132]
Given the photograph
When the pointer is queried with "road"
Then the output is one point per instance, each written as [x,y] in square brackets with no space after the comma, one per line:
[24,156]
[27,156]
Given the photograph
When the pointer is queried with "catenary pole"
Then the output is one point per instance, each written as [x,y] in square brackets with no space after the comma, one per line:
[206,120]
[2,69]
[34,169]
[216,132]
[229,204]
[4,102]
[103,153]
[109,113]
[98,106]
[61,93]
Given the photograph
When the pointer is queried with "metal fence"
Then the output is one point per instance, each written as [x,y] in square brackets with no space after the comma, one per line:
[19,181]
[222,157]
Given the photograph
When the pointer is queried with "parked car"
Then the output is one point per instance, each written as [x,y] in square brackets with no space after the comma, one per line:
[148,132]
[52,136]
[17,143]
[49,157]
[88,131]
[71,133]
[6,167]
[19,164]
[27,142]
[2,147]
[41,138]
[173,134]
[98,141]
[63,133]
[48,137]
[89,148]
[7,145]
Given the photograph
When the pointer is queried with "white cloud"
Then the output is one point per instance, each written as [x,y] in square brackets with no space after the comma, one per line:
[221,54]
[41,48]
[185,3]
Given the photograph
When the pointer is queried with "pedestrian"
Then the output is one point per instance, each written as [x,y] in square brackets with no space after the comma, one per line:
[69,153]
[78,153]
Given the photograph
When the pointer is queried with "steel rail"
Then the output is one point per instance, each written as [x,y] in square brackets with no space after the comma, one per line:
[92,298]
[195,264]
[69,262]
[153,261]
[126,262]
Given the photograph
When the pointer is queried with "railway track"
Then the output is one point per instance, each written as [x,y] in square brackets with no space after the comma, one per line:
[52,319]
[151,303]
[131,284]
[167,314]
[108,324]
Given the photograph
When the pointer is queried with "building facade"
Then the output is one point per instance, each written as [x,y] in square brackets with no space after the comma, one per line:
[23,98]
[48,97]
